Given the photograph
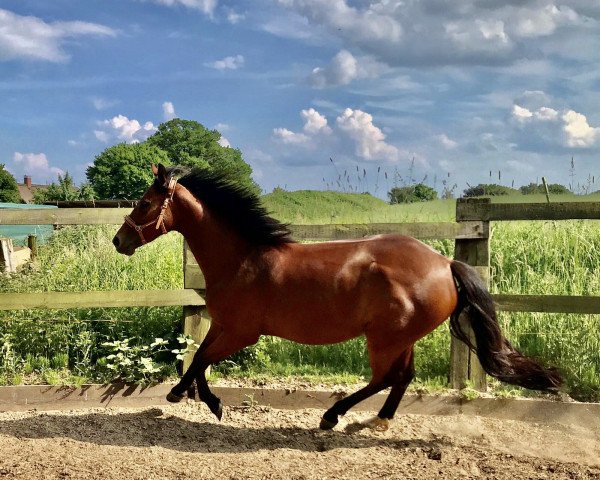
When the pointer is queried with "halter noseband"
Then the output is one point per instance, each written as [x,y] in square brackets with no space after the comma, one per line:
[160,219]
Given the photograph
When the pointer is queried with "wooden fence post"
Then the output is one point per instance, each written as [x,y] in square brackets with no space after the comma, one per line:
[464,365]
[32,244]
[6,250]
[196,320]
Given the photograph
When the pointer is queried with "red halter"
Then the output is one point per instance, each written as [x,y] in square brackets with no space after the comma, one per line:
[160,219]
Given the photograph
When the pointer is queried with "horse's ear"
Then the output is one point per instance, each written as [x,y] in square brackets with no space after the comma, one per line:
[154,170]
[161,175]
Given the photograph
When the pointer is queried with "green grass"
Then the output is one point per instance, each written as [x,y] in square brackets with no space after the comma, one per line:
[527,257]
[326,207]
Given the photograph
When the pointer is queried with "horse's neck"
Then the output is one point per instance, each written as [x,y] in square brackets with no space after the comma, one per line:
[218,250]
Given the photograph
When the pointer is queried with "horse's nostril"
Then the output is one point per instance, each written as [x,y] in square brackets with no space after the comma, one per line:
[116,241]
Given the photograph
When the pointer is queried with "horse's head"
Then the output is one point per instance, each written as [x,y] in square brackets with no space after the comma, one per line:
[151,217]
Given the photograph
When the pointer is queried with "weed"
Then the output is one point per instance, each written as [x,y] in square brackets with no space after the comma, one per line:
[469,393]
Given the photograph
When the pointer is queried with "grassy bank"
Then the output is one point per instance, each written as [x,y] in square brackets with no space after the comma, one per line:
[527,257]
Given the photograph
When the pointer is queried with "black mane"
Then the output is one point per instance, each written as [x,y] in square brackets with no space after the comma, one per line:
[235,204]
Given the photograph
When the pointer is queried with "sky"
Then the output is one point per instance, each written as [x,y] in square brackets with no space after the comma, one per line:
[316,94]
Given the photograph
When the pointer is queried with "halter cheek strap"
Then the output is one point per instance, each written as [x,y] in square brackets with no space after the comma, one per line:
[161,216]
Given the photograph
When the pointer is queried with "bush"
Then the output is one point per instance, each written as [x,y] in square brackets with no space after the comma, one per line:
[489,189]
[412,193]
[554,188]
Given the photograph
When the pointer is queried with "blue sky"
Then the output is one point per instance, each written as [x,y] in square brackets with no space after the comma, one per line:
[454,88]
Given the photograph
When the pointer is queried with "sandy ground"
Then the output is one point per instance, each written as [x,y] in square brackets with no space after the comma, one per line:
[185,441]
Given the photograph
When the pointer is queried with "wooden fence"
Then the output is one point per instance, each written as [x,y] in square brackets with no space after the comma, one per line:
[471,233]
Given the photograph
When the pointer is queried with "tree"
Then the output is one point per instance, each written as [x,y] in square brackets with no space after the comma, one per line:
[554,188]
[189,143]
[64,190]
[123,171]
[488,189]
[9,192]
[412,193]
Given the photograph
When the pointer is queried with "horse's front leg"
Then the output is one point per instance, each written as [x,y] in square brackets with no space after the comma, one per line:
[218,347]
[187,379]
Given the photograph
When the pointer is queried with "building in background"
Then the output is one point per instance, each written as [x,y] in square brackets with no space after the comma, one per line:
[27,189]
[18,233]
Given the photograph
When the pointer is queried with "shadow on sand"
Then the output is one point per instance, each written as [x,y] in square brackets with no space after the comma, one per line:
[153,427]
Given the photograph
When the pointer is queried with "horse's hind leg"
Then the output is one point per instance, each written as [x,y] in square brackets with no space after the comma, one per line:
[385,361]
[330,417]
[403,372]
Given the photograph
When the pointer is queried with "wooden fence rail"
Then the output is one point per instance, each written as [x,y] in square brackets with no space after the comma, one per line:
[471,233]
[114,298]
[473,209]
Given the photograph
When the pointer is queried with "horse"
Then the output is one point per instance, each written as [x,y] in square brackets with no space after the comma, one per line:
[392,289]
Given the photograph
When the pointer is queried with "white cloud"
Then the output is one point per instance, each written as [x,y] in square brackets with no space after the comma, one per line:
[228,63]
[368,24]
[343,69]
[544,114]
[315,125]
[102,136]
[205,6]
[28,37]
[369,139]
[314,122]
[224,142]
[290,138]
[234,17]
[222,127]
[36,165]
[124,129]
[478,37]
[579,132]
[539,22]
[447,142]
[103,103]
[439,32]
[168,111]
[549,126]
[521,113]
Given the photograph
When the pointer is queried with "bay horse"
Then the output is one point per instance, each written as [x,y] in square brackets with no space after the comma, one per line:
[392,289]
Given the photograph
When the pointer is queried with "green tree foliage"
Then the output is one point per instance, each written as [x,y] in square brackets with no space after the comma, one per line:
[9,192]
[489,189]
[123,171]
[65,190]
[190,144]
[554,188]
[412,193]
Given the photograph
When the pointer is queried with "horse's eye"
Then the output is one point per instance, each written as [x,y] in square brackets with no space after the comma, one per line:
[144,204]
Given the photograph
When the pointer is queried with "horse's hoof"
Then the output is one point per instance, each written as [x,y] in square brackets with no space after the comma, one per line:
[327,424]
[173,398]
[377,424]
[218,410]
[191,393]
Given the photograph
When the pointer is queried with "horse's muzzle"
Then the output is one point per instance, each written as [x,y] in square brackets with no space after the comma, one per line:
[123,247]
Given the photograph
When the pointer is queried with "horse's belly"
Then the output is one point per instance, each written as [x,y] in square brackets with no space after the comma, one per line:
[326,325]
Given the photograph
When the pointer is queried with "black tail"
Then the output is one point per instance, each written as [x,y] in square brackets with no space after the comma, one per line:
[496,355]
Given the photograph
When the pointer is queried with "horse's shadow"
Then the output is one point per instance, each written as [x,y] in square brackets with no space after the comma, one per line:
[152,428]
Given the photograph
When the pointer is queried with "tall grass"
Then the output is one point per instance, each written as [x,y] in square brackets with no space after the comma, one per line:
[80,259]
[552,258]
